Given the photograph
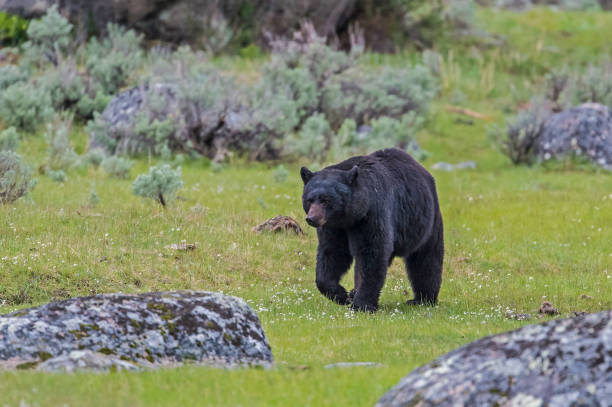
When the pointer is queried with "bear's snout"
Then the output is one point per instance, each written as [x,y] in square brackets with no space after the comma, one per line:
[316,216]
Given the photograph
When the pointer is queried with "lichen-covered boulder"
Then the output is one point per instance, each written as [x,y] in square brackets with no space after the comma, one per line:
[584,130]
[151,329]
[560,363]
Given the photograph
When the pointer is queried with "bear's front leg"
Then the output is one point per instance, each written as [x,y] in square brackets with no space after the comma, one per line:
[333,261]
[353,292]
[371,267]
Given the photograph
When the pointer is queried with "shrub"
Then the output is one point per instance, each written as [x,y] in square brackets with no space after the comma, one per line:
[12,29]
[281,174]
[383,132]
[345,142]
[217,33]
[424,21]
[100,131]
[217,167]
[306,91]
[313,138]
[24,106]
[160,184]
[70,89]
[88,106]
[389,132]
[93,198]
[309,89]
[285,99]
[15,177]
[518,140]
[117,167]
[460,13]
[298,78]
[157,133]
[9,139]
[63,84]
[60,152]
[432,60]
[57,176]
[48,38]
[10,74]
[566,88]
[111,61]
[392,92]
[95,156]
[593,85]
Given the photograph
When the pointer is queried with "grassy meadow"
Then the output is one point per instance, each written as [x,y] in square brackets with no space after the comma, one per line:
[515,236]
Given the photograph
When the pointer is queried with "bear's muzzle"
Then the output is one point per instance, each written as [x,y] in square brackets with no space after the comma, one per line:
[316,215]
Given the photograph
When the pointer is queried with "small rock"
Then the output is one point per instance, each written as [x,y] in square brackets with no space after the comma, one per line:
[465,164]
[279,224]
[86,360]
[579,313]
[352,364]
[467,122]
[585,297]
[517,316]
[548,309]
[182,246]
[443,166]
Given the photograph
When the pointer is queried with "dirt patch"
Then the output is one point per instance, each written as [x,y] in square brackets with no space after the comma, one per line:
[548,309]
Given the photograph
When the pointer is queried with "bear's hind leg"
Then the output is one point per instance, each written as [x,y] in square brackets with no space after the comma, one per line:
[424,268]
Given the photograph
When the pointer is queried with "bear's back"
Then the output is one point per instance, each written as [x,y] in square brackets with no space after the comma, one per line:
[388,157]
[387,163]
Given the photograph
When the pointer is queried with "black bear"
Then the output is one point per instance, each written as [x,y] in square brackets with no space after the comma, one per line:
[373,208]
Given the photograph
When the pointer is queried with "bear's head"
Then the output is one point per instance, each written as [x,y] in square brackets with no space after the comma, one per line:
[328,195]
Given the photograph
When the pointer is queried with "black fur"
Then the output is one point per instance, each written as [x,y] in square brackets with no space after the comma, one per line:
[375,208]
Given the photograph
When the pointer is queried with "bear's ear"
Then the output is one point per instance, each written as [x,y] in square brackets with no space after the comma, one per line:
[352,175]
[306,174]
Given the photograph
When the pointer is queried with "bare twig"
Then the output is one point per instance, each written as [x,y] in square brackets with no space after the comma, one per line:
[467,112]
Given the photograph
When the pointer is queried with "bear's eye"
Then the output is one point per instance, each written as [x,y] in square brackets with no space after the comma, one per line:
[324,199]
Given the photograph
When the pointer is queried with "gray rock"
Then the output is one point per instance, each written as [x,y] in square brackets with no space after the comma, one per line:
[80,360]
[443,166]
[560,363]
[151,329]
[584,130]
[352,364]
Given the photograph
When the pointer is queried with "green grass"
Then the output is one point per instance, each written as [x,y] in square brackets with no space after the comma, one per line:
[514,237]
